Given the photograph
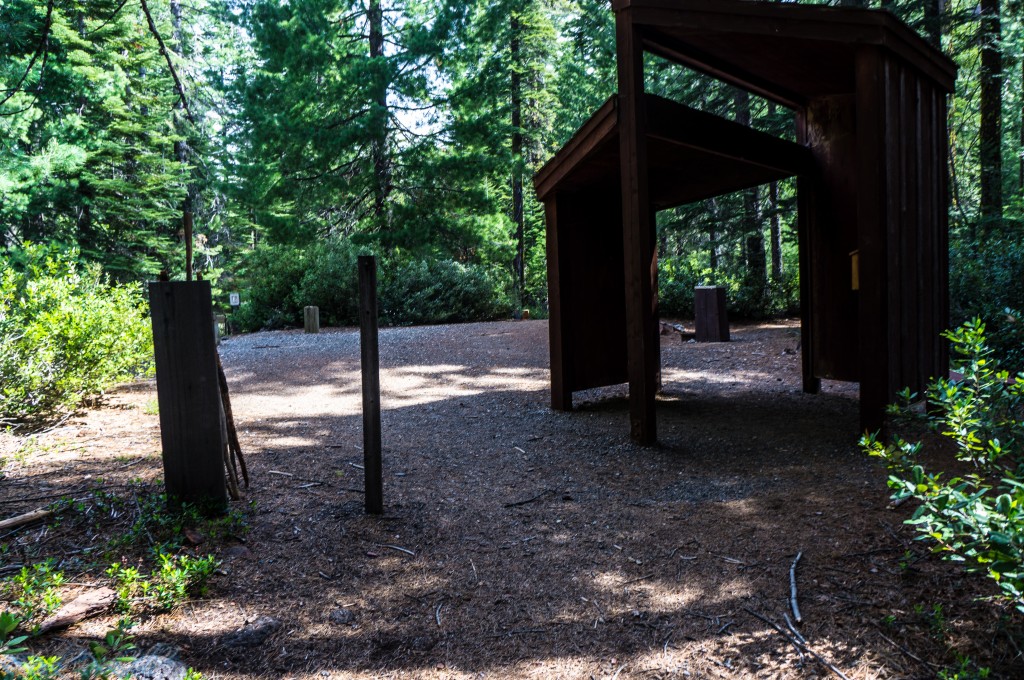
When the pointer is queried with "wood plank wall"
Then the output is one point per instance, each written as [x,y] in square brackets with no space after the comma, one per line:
[903,230]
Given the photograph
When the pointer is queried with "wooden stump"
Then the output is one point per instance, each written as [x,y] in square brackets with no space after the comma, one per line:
[710,316]
[188,391]
[311,319]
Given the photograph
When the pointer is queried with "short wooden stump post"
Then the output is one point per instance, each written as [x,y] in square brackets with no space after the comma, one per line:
[311,319]
[188,392]
[711,319]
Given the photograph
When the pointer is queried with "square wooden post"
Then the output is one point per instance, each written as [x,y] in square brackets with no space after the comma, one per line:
[188,392]
[638,231]
[711,319]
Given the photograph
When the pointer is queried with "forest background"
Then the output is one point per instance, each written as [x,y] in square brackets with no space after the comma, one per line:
[300,134]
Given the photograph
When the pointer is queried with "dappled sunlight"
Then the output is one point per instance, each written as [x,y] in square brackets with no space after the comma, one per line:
[415,385]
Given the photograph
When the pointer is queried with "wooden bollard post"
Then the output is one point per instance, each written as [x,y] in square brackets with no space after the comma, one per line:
[711,320]
[370,362]
[188,392]
[311,319]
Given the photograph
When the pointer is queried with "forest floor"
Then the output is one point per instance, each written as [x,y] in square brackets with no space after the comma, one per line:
[520,542]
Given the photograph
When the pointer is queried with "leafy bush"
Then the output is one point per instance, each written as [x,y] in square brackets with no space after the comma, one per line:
[177,577]
[273,274]
[440,292]
[977,517]
[985,282]
[677,277]
[66,333]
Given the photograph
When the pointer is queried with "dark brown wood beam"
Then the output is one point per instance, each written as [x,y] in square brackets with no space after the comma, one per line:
[638,231]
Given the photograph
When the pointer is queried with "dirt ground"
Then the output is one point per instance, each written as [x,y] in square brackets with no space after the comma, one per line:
[519,542]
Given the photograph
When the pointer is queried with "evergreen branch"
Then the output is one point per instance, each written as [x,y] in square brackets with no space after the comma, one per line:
[42,48]
[109,19]
[167,57]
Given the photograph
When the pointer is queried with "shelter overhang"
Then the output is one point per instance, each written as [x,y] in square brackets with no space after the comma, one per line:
[692,155]
[786,52]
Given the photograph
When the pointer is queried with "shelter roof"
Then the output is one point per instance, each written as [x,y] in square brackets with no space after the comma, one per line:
[788,52]
[691,155]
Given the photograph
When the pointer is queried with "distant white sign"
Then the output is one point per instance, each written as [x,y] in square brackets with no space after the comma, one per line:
[234,299]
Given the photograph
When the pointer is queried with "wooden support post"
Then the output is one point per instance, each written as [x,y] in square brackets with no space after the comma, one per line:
[370,361]
[874,217]
[711,319]
[188,392]
[558,327]
[638,230]
[311,319]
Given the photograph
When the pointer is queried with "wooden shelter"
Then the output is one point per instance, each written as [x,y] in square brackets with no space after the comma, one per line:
[870,158]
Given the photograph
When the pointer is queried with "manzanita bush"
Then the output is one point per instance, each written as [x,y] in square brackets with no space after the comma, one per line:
[975,516]
[66,332]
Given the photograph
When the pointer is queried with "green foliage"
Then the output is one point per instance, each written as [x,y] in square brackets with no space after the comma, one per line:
[984,283]
[8,624]
[977,516]
[66,333]
[114,648]
[677,278]
[40,668]
[440,292]
[34,591]
[176,578]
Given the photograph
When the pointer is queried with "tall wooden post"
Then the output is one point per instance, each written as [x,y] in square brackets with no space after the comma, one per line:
[370,362]
[638,231]
[188,392]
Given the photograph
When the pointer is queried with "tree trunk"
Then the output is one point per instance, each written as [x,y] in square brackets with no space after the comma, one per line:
[933,21]
[518,217]
[182,150]
[379,142]
[753,251]
[713,235]
[775,226]
[990,133]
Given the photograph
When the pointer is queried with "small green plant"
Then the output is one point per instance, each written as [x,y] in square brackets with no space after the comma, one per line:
[113,649]
[976,517]
[40,668]
[8,624]
[177,577]
[35,590]
[966,669]
[151,407]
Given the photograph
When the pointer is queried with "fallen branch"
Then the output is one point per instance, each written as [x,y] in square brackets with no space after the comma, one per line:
[82,607]
[27,518]
[638,579]
[233,459]
[926,664]
[530,500]
[792,587]
[800,647]
[398,548]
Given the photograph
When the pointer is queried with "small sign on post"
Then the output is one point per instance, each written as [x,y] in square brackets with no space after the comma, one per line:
[234,299]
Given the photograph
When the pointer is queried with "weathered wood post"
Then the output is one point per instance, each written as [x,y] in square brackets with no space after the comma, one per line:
[710,317]
[370,361]
[311,319]
[188,393]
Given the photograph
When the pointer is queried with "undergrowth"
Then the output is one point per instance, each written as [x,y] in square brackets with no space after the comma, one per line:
[157,567]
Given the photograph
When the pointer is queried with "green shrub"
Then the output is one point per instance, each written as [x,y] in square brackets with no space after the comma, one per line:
[273,274]
[976,517]
[440,292]
[66,333]
[331,282]
[677,277]
[985,282]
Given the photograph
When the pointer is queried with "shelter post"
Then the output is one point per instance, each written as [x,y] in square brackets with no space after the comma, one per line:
[638,229]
